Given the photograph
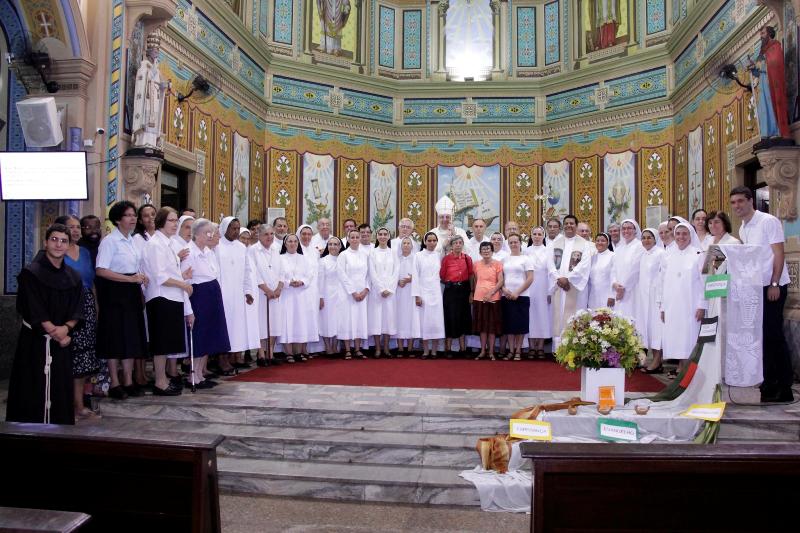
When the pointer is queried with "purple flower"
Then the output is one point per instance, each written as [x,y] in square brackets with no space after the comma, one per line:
[611,358]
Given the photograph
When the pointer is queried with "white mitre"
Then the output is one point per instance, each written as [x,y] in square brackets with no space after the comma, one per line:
[445,206]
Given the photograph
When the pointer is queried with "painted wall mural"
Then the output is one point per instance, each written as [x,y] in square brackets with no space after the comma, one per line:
[415,197]
[586,199]
[695,169]
[655,176]
[334,27]
[383,196]
[283,183]
[475,191]
[523,199]
[318,186]
[555,190]
[352,190]
[711,196]
[412,39]
[468,34]
[386,28]
[240,184]
[619,187]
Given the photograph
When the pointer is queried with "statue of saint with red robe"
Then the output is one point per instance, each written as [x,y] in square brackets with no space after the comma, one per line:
[769,87]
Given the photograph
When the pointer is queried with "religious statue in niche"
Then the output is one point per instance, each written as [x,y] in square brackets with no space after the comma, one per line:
[604,23]
[769,90]
[148,102]
[333,17]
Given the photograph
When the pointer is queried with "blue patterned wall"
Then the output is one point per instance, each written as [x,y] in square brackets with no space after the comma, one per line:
[386,37]
[570,103]
[263,17]
[638,87]
[552,33]
[282,23]
[713,34]
[367,106]
[412,39]
[656,16]
[526,36]
[433,111]
[505,110]
[299,93]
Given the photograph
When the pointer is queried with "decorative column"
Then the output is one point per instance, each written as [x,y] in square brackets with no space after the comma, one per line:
[440,73]
[358,63]
[308,28]
[781,169]
[497,67]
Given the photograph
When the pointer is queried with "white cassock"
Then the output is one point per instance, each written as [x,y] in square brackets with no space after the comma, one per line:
[312,294]
[405,312]
[266,269]
[648,315]
[333,296]
[234,280]
[298,326]
[318,242]
[427,285]
[252,312]
[625,271]
[600,279]
[473,247]
[541,318]
[353,270]
[681,296]
[445,236]
[565,303]
[382,277]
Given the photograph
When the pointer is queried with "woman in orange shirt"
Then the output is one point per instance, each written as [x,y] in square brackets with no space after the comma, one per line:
[486,315]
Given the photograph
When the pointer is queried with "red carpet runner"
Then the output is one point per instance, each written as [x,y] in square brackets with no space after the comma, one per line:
[439,374]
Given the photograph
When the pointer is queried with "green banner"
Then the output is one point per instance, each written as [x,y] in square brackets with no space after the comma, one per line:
[717,285]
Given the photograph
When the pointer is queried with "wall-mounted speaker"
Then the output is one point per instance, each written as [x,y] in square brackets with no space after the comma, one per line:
[40,122]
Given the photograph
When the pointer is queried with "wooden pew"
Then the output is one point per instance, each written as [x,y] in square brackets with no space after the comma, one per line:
[664,487]
[165,482]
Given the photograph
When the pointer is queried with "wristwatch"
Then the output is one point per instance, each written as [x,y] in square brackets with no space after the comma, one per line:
[774,284]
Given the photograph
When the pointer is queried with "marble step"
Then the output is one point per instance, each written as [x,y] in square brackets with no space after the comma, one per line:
[763,424]
[320,444]
[368,483]
[199,409]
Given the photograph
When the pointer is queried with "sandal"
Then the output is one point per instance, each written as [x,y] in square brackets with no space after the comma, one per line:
[480,356]
[658,370]
[517,357]
[289,359]
[302,357]
[672,374]
[87,414]
[491,357]
[348,355]
[360,354]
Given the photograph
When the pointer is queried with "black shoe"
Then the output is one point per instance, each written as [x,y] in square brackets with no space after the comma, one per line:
[784,396]
[211,375]
[247,357]
[133,390]
[228,373]
[261,363]
[204,385]
[658,370]
[213,383]
[118,393]
[241,365]
[176,382]
[448,354]
[169,391]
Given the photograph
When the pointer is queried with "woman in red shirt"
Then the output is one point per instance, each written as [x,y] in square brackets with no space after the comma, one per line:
[456,273]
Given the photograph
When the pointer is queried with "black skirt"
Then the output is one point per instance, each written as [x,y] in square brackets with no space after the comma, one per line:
[166,325]
[120,320]
[457,316]
[516,313]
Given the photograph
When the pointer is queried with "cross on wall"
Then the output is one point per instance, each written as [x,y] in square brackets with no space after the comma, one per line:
[45,22]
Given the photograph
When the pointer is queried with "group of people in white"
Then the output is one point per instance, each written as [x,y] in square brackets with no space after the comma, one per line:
[266,289]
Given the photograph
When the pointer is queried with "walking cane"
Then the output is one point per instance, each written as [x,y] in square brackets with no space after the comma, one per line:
[191,355]
[269,337]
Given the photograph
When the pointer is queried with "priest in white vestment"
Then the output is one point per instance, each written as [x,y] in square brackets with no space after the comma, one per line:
[405,229]
[265,263]
[472,246]
[320,239]
[569,264]
[445,230]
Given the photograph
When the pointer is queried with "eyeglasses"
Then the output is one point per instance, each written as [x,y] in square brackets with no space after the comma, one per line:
[58,239]
[73,227]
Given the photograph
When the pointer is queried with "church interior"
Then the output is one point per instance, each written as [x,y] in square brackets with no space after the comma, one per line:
[372,110]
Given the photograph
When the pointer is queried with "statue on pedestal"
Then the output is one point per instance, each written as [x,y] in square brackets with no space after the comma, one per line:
[148,103]
[769,88]
[333,16]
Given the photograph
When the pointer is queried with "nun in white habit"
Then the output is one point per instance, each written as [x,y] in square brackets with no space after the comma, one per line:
[648,314]
[405,309]
[352,268]
[234,280]
[540,327]
[306,234]
[625,269]
[251,311]
[332,297]
[600,274]
[297,275]
[427,293]
[383,283]
[682,301]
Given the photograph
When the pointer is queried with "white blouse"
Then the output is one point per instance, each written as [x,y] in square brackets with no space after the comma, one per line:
[160,264]
[118,253]
[203,263]
[515,269]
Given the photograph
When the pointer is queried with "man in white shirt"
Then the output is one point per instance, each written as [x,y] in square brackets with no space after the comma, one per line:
[347,226]
[281,226]
[478,236]
[445,230]
[553,229]
[585,232]
[614,231]
[766,230]
[320,240]
[406,229]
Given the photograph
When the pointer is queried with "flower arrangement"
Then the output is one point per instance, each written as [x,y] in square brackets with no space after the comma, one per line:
[599,339]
